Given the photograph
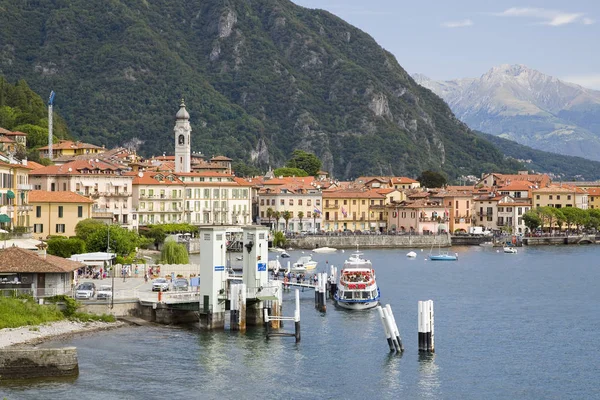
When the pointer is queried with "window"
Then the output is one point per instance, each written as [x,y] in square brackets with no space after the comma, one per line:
[317,202]
[38,211]
[142,192]
[79,211]
[52,187]
[569,197]
[60,211]
[38,228]
[262,202]
[363,202]
[550,197]
[299,202]
[291,202]
[60,228]
[345,202]
[558,197]
[282,202]
[308,202]
[537,196]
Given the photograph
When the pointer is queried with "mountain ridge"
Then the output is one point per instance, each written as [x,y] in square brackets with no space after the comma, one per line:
[522,104]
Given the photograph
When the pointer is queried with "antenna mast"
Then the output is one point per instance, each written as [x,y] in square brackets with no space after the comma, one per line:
[50,105]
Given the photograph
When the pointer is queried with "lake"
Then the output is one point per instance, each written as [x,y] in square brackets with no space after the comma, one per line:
[507,326]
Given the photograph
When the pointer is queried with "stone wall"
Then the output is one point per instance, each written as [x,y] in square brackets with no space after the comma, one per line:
[35,363]
[370,241]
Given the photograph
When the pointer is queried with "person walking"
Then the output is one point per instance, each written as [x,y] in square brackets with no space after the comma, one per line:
[124,272]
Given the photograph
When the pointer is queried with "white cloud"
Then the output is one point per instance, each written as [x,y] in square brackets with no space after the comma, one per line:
[588,81]
[457,24]
[547,17]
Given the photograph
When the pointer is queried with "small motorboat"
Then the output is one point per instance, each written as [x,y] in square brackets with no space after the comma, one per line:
[510,250]
[443,257]
[284,255]
[411,254]
[304,264]
[324,250]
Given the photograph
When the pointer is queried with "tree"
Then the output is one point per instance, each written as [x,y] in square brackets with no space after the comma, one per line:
[86,227]
[270,214]
[174,253]
[122,241]
[286,171]
[432,179]
[305,161]
[300,216]
[570,216]
[286,215]
[277,216]
[278,239]
[532,220]
[65,247]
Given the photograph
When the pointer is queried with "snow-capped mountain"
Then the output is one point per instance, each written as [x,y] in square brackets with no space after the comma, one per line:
[527,106]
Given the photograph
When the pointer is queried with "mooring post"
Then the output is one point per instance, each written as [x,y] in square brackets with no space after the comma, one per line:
[426,326]
[268,329]
[395,326]
[385,328]
[234,322]
[297,317]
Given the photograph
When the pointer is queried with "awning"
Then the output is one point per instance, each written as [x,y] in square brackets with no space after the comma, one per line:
[10,194]
[4,218]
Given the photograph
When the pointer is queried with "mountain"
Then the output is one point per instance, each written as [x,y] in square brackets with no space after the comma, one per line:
[259,77]
[526,106]
[558,166]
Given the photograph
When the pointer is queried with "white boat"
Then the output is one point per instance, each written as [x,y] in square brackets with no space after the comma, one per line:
[487,244]
[276,250]
[357,288]
[284,255]
[304,264]
[324,250]
[411,254]
[510,250]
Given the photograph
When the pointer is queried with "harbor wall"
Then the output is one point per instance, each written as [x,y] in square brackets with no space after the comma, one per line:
[370,241]
[37,363]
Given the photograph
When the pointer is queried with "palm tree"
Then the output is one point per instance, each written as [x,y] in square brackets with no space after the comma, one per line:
[270,214]
[286,215]
[277,216]
[300,216]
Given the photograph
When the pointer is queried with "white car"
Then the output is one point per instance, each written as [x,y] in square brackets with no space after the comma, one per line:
[160,285]
[85,291]
[104,292]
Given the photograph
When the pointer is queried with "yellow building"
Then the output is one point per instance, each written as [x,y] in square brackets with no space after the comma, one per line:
[70,148]
[593,197]
[560,196]
[57,213]
[14,194]
[354,210]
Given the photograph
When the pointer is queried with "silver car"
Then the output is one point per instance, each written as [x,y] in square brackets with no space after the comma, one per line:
[160,285]
[85,291]
[104,292]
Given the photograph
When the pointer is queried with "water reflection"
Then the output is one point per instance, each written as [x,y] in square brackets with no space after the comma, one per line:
[429,382]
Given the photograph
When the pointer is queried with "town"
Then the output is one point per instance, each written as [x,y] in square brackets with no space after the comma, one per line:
[117,186]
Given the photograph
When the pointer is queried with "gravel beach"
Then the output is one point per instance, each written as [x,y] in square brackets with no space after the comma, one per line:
[32,335]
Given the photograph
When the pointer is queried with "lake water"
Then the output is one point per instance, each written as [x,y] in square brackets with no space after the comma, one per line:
[522,326]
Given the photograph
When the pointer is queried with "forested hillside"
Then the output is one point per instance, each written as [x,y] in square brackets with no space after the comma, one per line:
[260,79]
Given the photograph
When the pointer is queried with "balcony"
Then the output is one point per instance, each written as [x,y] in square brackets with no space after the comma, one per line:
[427,219]
[116,194]
[331,207]
[11,208]
[24,186]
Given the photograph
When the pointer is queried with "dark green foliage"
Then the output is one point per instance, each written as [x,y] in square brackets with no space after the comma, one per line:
[282,78]
[286,171]
[174,253]
[532,220]
[305,161]
[65,247]
[85,228]
[432,179]
[568,167]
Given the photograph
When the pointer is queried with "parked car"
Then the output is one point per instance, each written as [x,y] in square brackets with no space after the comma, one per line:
[160,285]
[85,291]
[181,284]
[104,292]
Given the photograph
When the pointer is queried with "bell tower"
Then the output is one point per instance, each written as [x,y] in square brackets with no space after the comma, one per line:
[183,132]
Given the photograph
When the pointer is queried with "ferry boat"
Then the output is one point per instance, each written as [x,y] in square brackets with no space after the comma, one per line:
[357,288]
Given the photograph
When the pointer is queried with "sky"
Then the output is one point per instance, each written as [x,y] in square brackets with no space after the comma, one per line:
[449,39]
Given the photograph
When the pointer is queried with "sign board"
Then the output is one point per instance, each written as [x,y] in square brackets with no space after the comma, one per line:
[219,268]
[262,267]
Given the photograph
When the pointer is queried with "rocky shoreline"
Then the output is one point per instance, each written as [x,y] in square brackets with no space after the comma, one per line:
[34,335]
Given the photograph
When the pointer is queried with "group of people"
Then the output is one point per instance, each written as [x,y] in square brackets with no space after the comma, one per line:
[357,277]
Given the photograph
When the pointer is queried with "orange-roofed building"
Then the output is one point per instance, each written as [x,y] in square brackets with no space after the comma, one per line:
[559,196]
[496,180]
[157,197]
[103,182]
[16,136]
[354,210]
[70,148]
[510,214]
[418,216]
[404,183]
[593,197]
[458,207]
[57,213]
[14,195]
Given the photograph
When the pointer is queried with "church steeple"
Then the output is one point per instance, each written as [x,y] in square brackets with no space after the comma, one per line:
[182,132]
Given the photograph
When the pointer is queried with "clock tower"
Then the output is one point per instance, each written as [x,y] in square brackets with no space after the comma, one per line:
[183,132]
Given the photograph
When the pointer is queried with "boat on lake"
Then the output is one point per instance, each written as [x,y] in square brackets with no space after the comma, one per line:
[510,250]
[411,254]
[442,255]
[304,264]
[324,250]
[357,288]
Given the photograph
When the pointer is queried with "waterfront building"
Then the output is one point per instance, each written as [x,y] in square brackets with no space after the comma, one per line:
[157,197]
[486,210]
[458,204]
[354,209]
[594,197]
[300,196]
[107,184]
[559,196]
[422,216]
[14,196]
[510,214]
[70,148]
[57,213]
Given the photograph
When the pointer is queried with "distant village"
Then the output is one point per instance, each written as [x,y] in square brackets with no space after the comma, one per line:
[119,187]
